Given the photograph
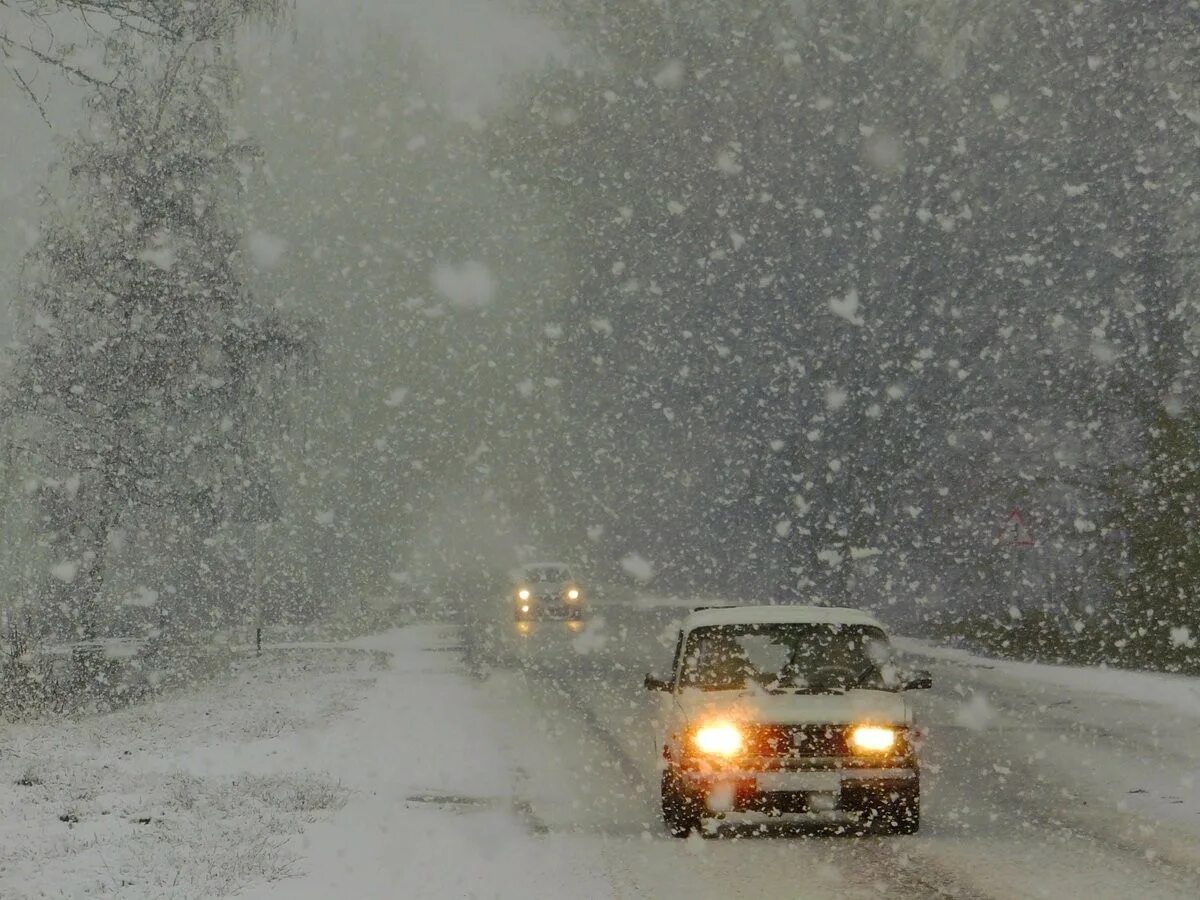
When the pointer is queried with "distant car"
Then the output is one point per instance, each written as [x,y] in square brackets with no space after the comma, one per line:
[788,710]
[547,591]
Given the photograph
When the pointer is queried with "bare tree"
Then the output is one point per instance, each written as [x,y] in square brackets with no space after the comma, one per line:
[62,37]
[146,369]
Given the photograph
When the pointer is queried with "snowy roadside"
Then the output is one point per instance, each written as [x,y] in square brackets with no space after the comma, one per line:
[437,809]
[1177,693]
[90,806]
[363,769]
[1120,746]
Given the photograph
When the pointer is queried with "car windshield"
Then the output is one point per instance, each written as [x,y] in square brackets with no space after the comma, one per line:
[784,657]
[547,574]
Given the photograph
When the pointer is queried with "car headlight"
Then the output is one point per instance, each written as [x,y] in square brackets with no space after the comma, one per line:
[523,594]
[718,739]
[873,738]
[573,594]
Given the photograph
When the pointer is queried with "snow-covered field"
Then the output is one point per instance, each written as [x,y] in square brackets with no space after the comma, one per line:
[447,761]
[355,769]
[136,803]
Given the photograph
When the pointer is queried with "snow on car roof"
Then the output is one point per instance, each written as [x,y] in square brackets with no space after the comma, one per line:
[789,615]
[541,571]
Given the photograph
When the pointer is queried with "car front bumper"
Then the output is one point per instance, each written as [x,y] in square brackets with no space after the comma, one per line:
[801,777]
[549,608]
[796,790]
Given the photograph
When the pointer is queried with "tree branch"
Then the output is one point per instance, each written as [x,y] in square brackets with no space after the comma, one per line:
[59,63]
[23,83]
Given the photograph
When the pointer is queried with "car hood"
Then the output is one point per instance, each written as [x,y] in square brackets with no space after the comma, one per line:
[880,707]
[548,587]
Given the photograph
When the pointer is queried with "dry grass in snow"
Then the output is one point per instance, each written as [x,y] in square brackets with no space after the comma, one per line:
[164,800]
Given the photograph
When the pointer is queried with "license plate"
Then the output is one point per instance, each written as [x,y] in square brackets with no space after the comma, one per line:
[812,782]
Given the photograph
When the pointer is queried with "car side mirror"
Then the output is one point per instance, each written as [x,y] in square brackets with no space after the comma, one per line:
[919,681]
[657,684]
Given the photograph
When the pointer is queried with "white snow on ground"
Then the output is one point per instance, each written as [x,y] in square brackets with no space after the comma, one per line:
[1178,693]
[231,788]
[91,807]
[1007,815]
[1125,764]
[435,812]
[378,768]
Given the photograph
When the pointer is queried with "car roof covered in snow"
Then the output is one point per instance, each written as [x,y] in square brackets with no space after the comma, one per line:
[530,568]
[782,615]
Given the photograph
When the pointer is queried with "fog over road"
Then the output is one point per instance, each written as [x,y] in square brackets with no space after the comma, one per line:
[1029,790]
[314,313]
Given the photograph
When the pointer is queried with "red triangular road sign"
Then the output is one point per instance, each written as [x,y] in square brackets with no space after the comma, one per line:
[1015,532]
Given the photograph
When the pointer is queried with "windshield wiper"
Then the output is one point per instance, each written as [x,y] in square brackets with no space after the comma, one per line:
[809,689]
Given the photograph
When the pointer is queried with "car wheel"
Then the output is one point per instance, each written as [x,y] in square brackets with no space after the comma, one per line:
[682,812]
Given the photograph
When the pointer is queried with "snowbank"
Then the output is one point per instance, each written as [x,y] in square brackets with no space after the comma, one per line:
[1179,693]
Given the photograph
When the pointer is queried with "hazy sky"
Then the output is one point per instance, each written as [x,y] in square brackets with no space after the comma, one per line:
[476,43]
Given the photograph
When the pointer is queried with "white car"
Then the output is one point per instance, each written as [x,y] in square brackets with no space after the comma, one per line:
[782,710]
[546,591]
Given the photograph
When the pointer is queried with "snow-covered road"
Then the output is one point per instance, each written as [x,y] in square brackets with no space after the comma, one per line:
[481,762]
[1033,787]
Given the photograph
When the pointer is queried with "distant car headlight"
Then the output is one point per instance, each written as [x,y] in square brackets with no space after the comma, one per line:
[523,594]
[873,738]
[573,594]
[718,739]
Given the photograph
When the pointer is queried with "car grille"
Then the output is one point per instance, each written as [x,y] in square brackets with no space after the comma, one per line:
[797,741]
